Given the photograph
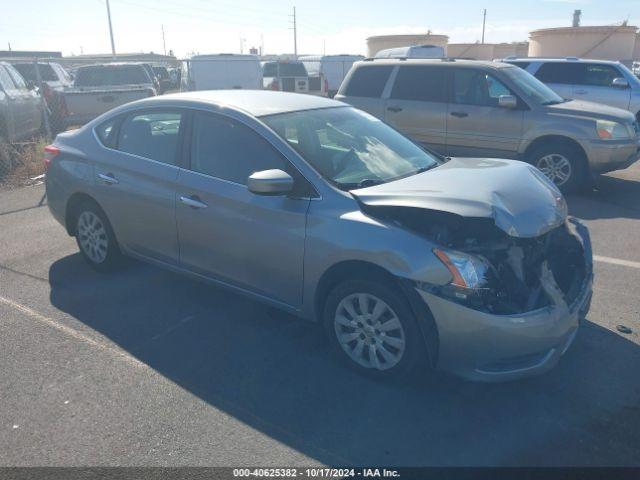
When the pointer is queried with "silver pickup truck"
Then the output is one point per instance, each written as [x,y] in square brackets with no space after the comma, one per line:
[99,88]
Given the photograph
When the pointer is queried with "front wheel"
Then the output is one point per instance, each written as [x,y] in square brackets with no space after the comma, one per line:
[371,328]
[564,165]
[95,238]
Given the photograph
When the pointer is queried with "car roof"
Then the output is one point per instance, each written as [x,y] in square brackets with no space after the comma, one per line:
[254,102]
[449,62]
[558,60]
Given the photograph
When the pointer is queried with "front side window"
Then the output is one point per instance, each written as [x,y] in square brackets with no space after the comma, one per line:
[475,87]
[350,148]
[426,84]
[596,75]
[152,135]
[368,81]
[227,149]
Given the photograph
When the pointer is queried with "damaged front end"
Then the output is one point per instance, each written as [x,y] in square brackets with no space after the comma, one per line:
[497,273]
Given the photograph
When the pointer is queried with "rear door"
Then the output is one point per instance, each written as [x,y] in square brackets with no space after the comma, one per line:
[226,232]
[135,179]
[594,83]
[476,125]
[560,76]
[365,86]
[417,105]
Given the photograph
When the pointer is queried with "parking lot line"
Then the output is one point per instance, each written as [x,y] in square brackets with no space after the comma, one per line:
[69,331]
[616,261]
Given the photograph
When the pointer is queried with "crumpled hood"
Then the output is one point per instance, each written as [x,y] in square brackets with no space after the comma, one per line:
[581,108]
[517,196]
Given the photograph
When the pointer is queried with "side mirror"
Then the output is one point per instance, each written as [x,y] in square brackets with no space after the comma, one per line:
[507,101]
[619,82]
[270,182]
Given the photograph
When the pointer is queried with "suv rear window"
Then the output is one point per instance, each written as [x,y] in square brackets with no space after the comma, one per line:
[111,75]
[368,81]
[425,84]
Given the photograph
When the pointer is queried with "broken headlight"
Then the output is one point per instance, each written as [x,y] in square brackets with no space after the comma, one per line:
[467,271]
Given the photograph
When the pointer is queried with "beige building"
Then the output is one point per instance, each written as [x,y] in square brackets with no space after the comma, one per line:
[474,51]
[601,42]
[380,42]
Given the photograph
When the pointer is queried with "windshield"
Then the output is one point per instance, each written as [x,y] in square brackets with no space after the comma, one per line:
[351,148]
[531,88]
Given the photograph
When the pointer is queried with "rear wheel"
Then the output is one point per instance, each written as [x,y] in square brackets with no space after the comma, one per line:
[372,329]
[95,237]
[563,164]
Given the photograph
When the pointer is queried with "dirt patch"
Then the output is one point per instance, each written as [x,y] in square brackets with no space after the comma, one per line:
[21,163]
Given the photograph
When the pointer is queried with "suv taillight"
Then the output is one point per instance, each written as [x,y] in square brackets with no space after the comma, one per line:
[50,152]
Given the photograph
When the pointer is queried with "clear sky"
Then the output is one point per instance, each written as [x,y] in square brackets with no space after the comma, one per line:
[334,26]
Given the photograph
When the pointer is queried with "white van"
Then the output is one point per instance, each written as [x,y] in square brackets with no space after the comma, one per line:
[220,72]
[326,72]
[413,51]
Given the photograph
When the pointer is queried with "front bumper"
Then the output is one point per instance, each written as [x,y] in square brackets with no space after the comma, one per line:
[606,156]
[487,347]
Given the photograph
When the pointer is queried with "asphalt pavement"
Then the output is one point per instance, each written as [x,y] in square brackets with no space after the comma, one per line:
[145,367]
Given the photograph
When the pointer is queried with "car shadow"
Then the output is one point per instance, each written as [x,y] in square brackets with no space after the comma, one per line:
[612,197]
[274,373]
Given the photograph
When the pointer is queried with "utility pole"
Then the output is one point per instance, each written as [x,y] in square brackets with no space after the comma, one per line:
[113,45]
[484,21]
[9,45]
[164,44]
[295,34]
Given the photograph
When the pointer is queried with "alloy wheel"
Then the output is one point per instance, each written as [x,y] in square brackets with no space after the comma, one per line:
[556,167]
[369,331]
[92,236]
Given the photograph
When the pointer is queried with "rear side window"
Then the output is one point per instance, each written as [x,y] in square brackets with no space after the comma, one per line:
[559,72]
[106,132]
[368,81]
[152,135]
[229,150]
[426,84]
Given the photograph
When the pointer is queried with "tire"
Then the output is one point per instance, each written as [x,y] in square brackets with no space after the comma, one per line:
[95,237]
[350,332]
[563,164]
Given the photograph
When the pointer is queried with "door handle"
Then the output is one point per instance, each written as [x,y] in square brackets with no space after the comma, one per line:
[581,92]
[108,178]
[193,202]
[394,109]
[460,114]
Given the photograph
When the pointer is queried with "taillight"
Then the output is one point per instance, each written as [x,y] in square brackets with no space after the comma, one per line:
[274,85]
[50,152]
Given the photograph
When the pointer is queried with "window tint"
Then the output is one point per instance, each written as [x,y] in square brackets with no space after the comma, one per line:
[111,75]
[598,75]
[226,149]
[474,87]
[152,135]
[5,80]
[559,72]
[107,133]
[420,83]
[28,71]
[368,81]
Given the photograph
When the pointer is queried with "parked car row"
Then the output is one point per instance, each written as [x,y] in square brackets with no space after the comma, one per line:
[490,109]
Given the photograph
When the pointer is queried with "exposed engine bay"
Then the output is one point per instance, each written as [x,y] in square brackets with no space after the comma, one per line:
[522,274]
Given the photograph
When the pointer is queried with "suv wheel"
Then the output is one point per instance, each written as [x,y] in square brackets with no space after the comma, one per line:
[95,237]
[371,328]
[564,165]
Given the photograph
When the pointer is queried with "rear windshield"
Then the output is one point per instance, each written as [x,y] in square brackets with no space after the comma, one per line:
[28,71]
[275,69]
[111,75]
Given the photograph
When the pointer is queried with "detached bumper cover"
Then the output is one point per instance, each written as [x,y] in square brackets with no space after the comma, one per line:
[487,347]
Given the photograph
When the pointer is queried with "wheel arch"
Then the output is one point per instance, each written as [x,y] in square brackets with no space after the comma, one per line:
[546,140]
[74,201]
[367,270]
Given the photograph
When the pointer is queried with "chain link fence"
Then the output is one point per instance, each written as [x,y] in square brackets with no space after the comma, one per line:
[31,114]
